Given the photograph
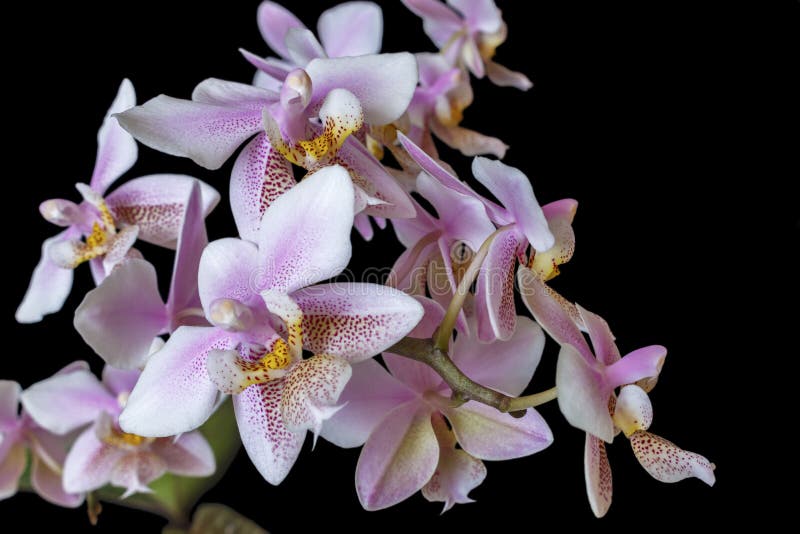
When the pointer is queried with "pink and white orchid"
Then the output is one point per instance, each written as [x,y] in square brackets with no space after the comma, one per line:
[19,434]
[398,417]
[303,238]
[149,208]
[103,453]
[468,33]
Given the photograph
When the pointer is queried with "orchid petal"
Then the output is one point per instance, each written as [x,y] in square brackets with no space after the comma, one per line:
[383,83]
[174,393]
[12,465]
[260,175]
[135,471]
[290,313]
[116,149]
[313,243]
[65,402]
[363,225]
[50,284]
[274,22]
[9,402]
[351,29]
[605,349]
[505,77]
[120,381]
[206,133]
[583,395]
[559,217]
[481,15]
[89,463]
[597,472]
[439,21]
[494,294]
[471,57]
[157,204]
[370,394]
[488,434]
[513,189]
[118,247]
[469,142]
[120,318]
[229,269]
[506,366]
[302,46]
[399,457]
[49,485]
[232,94]
[633,411]
[355,321]
[667,462]
[271,447]
[192,240]
[190,455]
[637,365]
[271,71]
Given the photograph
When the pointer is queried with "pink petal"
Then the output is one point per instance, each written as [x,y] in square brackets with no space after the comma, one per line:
[481,15]
[471,57]
[311,390]
[272,71]
[507,366]
[206,133]
[355,321]
[49,485]
[274,21]
[667,462]
[271,447]
[605,349]
[260,175]
[119,248]
[12,465]
[439,21]
[399,457]
[229,268]
[583,394]
[303,46]
[65,402]
[174,393]
[9,403]
[513,189]
[189,455]
[504,77]
[50,284]
[89,463]
[135,470]
[362,224]
[351,29]
[637,365]
[494,294]
[120,381]
[468,142]
[370,394]
[489,434]
[383,83]
[120,318]
[598,475]
[305,233]
[116,149]
[156,204]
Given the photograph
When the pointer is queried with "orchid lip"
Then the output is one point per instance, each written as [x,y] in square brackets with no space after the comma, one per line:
[230,315]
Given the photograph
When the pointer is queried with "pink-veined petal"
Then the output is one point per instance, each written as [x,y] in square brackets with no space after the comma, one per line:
[229,268]
[351,29]
[583,394]
[489,434]
[9,402]
[260,175]
[121,381]
[507,366]
[119,318]
[189,455]
[206,133]
[135,470]
[157,203]
[370,394]
[597,472]
[383,83]
[174,393]
[667,462]
[637,365]
[355,321]
[50,284]
[271,447]
[89,463]
[274,21]
[494,294]
[513,189]
[311,391]
[505,77]
[305,233]
[116,149]
[12,465]
[192,240]
[399,457]
[67,401]
[439,21]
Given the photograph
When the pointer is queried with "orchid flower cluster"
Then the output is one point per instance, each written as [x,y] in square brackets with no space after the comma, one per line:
[425,372]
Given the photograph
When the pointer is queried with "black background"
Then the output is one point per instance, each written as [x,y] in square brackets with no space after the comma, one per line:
[671,123]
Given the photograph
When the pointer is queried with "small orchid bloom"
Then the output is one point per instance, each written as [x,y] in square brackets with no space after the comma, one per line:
[468,33]
[18,433]
[437,108]
[523,222]
[398,416]
[149,208]
[103,453]
[303,238]
[120,318]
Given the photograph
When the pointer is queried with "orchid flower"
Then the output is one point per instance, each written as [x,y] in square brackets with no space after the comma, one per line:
[398,417]
[120,318]
[149,208]
[18,433]
[103,453]
[303,238]
[468,33]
